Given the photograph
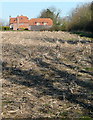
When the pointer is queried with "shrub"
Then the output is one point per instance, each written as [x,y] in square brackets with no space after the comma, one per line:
[55,28]
[0,28]
[5,28]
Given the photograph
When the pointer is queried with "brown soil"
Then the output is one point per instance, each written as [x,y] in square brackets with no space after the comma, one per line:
[46,75]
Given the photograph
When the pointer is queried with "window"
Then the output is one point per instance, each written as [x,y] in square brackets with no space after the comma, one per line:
[45,23]
[37,23]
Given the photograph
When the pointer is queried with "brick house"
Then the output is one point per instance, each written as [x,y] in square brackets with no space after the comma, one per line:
[35,24]
[19,22]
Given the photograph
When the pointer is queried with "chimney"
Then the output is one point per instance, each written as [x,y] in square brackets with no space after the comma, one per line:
[9,19]
[17,21]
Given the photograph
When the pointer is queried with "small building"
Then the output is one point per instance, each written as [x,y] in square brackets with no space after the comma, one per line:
[40,23]
[35,24]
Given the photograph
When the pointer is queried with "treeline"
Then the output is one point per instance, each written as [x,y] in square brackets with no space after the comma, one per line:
[80,19]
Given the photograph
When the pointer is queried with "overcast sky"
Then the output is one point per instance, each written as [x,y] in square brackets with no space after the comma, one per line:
[33,9]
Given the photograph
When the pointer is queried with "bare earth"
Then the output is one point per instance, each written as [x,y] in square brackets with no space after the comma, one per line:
[46,75]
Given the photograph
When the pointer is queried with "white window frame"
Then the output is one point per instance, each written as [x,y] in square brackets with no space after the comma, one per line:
[37,23]
[45,23]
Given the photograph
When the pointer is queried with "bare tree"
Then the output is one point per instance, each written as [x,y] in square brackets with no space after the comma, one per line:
[3,22]
[52,13]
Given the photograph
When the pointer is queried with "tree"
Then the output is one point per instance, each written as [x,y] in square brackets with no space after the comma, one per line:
[80,18]
[92,11]
[51,13]
[3,22]
[91,23]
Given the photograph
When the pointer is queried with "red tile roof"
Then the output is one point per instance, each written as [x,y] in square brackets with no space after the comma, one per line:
[22,19]
[34,21]
[13,20]
[41,21]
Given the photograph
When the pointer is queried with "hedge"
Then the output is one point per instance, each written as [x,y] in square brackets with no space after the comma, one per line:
[4,28]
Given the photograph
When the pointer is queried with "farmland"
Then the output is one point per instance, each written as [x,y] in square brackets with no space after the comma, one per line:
[46,75]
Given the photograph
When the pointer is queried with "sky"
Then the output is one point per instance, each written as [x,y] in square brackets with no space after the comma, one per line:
[33,9]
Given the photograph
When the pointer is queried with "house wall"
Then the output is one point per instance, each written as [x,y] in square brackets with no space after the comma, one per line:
[26,24]
[23,25]
[15,26]
[39,27]
[29,28]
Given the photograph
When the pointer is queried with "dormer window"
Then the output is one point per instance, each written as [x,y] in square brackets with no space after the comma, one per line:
[38,23]
[45,23]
